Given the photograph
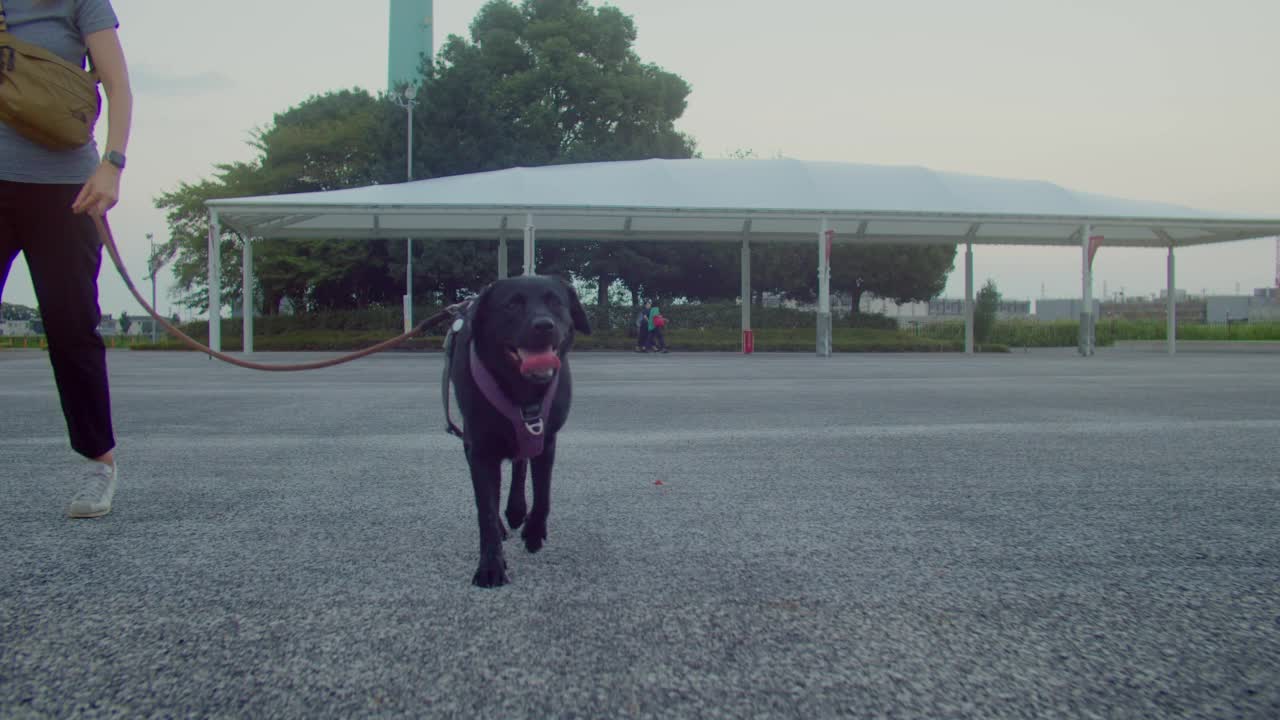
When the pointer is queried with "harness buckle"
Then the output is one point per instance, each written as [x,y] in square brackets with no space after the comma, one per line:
[532,416]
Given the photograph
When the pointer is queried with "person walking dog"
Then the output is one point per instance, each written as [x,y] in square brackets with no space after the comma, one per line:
[47,200]
[642,329]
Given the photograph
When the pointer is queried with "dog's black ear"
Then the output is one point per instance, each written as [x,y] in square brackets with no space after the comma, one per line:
[474,309]
[576,311]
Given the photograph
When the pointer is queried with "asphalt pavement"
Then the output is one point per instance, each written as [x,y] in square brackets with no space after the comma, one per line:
[1023,535]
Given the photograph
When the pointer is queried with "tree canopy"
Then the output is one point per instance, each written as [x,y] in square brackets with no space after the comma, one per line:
[10,311]
[535,83]
[901,273]
[338,140]
[984,312]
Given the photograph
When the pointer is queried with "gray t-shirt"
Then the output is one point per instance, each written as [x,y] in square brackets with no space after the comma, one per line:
[59,26]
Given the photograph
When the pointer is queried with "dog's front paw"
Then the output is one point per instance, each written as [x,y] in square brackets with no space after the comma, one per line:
[491,573]
[535,536]
[515,514]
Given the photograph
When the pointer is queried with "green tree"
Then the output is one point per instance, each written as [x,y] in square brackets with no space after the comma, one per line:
[984,311]
[547,82]
[337,140]
[902,273]
[789,270]
[542,82]
[126,322]
[9,311]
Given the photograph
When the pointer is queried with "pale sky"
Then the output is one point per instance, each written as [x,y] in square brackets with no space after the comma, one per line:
[1163,100]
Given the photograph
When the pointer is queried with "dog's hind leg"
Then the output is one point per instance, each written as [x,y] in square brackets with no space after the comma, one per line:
[516,508]
[535,528]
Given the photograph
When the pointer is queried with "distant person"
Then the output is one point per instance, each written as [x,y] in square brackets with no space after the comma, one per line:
[642,329]
[47,198]
[657,339]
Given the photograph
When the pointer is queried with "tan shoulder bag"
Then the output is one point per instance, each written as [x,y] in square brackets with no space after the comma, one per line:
[45,98]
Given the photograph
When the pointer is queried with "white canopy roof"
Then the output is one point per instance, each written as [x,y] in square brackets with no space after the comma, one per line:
[773,200]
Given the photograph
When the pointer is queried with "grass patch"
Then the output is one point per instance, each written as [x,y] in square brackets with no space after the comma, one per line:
[1065,333]
[1020,333]
[40,342]
[1157,330]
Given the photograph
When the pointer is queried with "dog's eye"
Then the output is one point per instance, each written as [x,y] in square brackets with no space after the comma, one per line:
[515,303]
[553,302]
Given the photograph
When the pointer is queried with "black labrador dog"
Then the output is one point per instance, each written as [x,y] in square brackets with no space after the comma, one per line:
[509,366]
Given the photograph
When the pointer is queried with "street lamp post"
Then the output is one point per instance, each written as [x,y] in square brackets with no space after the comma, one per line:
[407,99]
[154,263]
[151,267]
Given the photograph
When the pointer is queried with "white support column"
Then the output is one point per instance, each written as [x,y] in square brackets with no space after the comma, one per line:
[246,295]
[215,282]
[968,297]
[1086,294]
[408,284]
[746,280]
[504,262]
[409,94]
[824,293]
[530,246]
[1171,323]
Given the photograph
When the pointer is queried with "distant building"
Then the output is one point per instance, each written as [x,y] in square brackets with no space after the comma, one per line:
[409,39]
[16,328]
[1188,311]
[1255,308]
[884,306]
[1221,309]
[953,309]
[1266,313]
[1050,309]
[141,326]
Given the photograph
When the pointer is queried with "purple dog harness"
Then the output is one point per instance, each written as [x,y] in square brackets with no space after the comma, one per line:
[529,422]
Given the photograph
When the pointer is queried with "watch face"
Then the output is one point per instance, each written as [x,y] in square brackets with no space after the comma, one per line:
[116,159]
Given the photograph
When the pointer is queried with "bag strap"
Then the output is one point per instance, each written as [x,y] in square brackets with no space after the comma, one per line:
[92,69]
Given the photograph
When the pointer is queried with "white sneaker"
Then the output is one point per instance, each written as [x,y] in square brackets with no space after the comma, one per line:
[94,499]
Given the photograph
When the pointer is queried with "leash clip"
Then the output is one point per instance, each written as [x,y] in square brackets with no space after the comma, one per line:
[533,421]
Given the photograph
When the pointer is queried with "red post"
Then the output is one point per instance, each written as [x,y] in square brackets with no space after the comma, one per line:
[748,342]
[1095,241]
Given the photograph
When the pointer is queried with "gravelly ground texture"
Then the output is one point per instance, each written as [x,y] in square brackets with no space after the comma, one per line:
[1026,535]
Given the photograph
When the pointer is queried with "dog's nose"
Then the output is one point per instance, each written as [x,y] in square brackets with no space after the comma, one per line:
[544,325]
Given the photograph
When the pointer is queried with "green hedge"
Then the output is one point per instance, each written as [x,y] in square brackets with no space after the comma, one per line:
[712,340]
[372,319]
[1065,333]
[1156,330]
[1022,333]
[688,317]
[729,316]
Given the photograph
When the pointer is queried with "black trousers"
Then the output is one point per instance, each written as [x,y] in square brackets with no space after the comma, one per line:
[64,255]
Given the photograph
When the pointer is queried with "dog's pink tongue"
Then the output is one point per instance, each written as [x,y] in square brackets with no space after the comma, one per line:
[533,362]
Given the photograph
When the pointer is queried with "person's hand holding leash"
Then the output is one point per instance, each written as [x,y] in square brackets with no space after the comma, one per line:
[101,193]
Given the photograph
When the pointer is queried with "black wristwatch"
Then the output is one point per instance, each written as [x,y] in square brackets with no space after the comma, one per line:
[115,158]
